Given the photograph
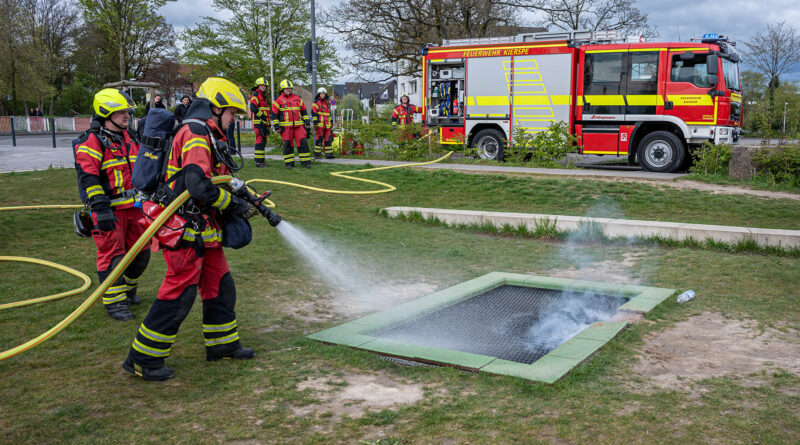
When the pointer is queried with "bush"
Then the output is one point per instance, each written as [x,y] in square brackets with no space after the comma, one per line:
[711,159]
[544,149]
[780,164]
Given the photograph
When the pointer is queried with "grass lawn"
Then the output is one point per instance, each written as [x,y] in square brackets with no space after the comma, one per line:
[72,389]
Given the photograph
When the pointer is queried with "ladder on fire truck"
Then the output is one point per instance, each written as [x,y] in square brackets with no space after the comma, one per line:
[581,36]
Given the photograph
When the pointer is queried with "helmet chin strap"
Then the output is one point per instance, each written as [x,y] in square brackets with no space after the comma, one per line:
[117,125]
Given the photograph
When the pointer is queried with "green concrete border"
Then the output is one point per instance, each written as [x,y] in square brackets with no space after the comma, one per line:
[547,369]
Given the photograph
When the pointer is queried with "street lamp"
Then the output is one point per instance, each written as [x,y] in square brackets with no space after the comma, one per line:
[269,5]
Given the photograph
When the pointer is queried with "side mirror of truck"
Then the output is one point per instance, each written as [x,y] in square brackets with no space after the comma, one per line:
[712,64]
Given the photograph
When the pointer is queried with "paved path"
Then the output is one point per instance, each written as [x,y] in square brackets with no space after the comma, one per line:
[32,157]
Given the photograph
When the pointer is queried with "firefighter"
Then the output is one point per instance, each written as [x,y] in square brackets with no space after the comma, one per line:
[197,262]
[321,113]
[104,161]
[259,107]
[290,119]
[403,115]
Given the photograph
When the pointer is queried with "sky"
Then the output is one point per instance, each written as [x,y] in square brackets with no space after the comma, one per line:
[675,20]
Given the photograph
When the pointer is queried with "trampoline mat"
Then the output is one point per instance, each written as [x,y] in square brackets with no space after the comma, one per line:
[515,323]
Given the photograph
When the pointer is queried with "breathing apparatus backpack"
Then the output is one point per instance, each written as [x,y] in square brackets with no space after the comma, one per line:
[154,150]
[150,171]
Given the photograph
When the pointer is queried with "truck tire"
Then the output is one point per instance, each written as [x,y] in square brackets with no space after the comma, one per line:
[489,144]
[661,151]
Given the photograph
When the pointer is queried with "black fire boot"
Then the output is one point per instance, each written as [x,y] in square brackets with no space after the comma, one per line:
[119,311]
[133,298]
[155,374]
[240,354]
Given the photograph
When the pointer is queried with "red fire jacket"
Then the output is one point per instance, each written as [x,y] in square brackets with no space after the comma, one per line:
[404,114]
[289,111]
[321,112]
[260,107]
[107,171]
[192,152]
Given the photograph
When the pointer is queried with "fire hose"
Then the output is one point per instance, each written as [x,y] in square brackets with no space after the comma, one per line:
[142,241]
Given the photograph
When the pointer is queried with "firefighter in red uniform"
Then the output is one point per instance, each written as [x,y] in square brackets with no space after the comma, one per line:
[403,115]
[321,113]
[104,161]
[259,107]
[197,262]
[290,119]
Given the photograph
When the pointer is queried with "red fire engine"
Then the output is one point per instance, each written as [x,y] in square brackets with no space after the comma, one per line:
[653,102]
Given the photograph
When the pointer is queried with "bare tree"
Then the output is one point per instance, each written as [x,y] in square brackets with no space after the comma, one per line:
[381,34]
[596,15]
[54,29]
[775,51]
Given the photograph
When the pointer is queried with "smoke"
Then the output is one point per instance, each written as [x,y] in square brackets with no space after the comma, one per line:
[566,317]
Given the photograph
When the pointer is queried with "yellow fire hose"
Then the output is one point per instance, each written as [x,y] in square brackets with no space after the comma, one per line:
[149,233]
[86,282]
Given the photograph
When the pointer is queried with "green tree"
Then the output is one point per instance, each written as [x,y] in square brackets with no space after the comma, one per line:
[238,47]
[350,101]
[138,35]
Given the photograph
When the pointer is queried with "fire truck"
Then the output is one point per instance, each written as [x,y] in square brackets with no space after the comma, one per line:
[651,102]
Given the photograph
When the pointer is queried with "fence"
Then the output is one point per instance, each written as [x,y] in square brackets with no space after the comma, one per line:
[32,124]
[25,124]
[51,125]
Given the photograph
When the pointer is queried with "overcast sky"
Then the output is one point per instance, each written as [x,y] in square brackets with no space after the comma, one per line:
[739,19]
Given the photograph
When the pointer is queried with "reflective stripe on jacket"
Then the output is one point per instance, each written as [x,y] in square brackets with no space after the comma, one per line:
[404,115]
[260,108]
[289,111]
[321,112]
[107,170]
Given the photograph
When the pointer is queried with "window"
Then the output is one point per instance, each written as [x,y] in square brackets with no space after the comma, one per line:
[644,67]
[385,94]
[693,70]
[602,76]
[413,87]
[731,72]
[603,68]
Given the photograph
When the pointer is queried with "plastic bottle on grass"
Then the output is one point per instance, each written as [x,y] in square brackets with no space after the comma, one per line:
[686,296]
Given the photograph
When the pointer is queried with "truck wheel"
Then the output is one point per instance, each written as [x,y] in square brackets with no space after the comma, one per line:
[661,151]
[489,144]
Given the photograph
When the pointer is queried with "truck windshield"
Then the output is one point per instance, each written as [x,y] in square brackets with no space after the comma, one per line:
[731,72]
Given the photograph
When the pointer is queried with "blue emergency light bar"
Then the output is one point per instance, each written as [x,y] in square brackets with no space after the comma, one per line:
[710,35]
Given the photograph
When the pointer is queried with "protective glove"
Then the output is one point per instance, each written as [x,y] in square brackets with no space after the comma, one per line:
[106,221]
[238,206]
[273,218]
[278,129]
[306,125]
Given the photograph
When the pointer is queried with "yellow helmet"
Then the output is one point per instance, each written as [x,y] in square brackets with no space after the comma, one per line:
[286,83]
[260,81]
[109,100]
[222,93]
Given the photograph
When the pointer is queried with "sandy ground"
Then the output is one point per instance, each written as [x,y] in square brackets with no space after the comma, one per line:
[709,345]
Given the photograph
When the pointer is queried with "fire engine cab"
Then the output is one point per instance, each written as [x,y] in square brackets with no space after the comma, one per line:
[653,102]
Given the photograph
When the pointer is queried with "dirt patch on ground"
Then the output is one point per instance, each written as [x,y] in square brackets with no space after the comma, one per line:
[611,271]
[336,305]
[730,190]
[353,395]
[709,345]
